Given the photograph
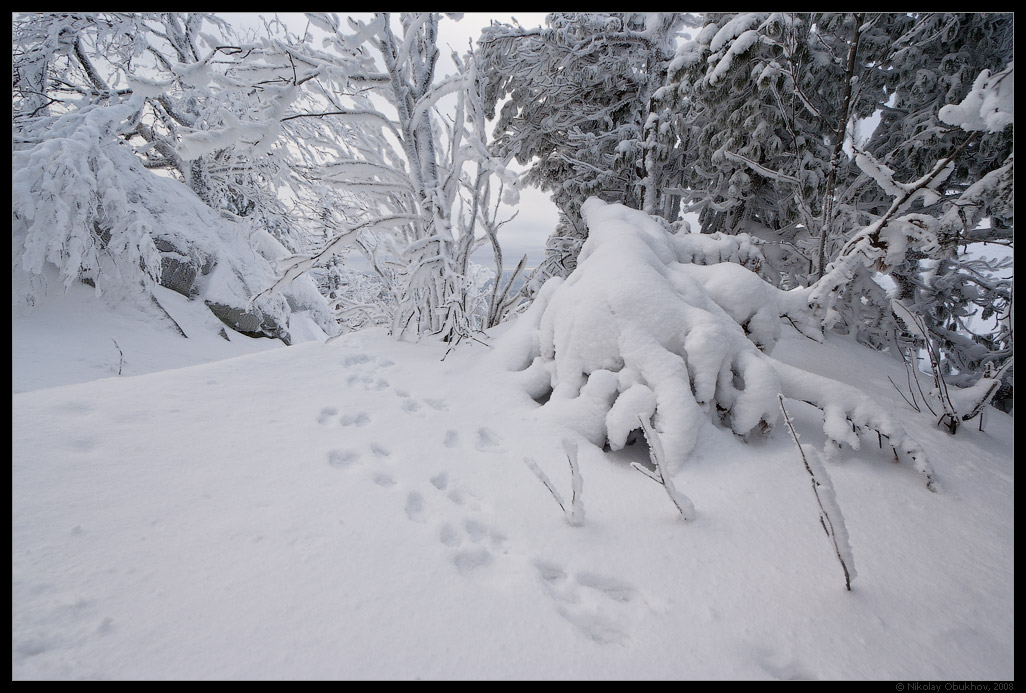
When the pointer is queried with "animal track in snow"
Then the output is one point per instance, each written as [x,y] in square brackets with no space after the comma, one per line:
[354,359]
[385,480]
[380,451]
[471,559]
[579,607]
[415,507]
[341,459]
[410,406]
[366,382]
[360,420]
[437,404]
[326,414]
[781,666]
[456,494]
[612,588]
[452,439]
[488,440]
[449,536]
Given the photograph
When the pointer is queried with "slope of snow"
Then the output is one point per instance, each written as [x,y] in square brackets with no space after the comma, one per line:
[362,509]
[77,336]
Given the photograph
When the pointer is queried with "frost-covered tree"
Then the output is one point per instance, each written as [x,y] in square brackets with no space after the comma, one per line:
[342,144]
[767,100]
[100,102]
[945,71]
[907,231]
[578,104]
[773,106]
[425,182]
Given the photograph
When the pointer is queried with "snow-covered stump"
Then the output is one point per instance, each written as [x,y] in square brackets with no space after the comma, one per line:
[642,330]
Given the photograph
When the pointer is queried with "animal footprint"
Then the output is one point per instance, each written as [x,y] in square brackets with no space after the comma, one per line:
[354,359]
[384,480]
[360,420]
[574,604]
[487,440]
[452,439]
[341,459]
[326,414]
[449,536]
[379,451]
[455,494]
[367,382]
[469,560]
[610,587]
[410,406]
[437,404]
[480,533]
[415,507]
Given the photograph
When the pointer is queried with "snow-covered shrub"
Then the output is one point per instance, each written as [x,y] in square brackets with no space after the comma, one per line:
[639,330]
[83,203]
[74,205]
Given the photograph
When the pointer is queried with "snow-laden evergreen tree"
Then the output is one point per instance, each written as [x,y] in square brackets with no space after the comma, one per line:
[766,100]
[772,106]
[580,107]
[934,67]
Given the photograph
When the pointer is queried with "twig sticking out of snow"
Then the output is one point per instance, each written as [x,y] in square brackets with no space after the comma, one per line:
[655,448]
[121,365]
[838,533]
[575,513]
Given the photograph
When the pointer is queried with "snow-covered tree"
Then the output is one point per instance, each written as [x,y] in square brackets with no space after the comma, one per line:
[772,107]
[424,180]
[949,91]
[101,101]
[643,331]
[578,104]
[901,238]
[766,101]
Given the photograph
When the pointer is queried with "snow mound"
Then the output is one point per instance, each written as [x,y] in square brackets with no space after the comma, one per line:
[639,331]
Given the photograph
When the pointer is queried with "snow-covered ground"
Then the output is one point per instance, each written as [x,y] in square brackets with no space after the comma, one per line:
[362,509]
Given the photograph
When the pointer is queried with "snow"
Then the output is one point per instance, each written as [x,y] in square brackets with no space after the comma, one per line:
[361,508]
[989,105]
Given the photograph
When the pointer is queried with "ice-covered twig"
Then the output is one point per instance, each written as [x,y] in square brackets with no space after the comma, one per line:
[823,489]
[840,404]
[575,512]
[655,448]
[915,325]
